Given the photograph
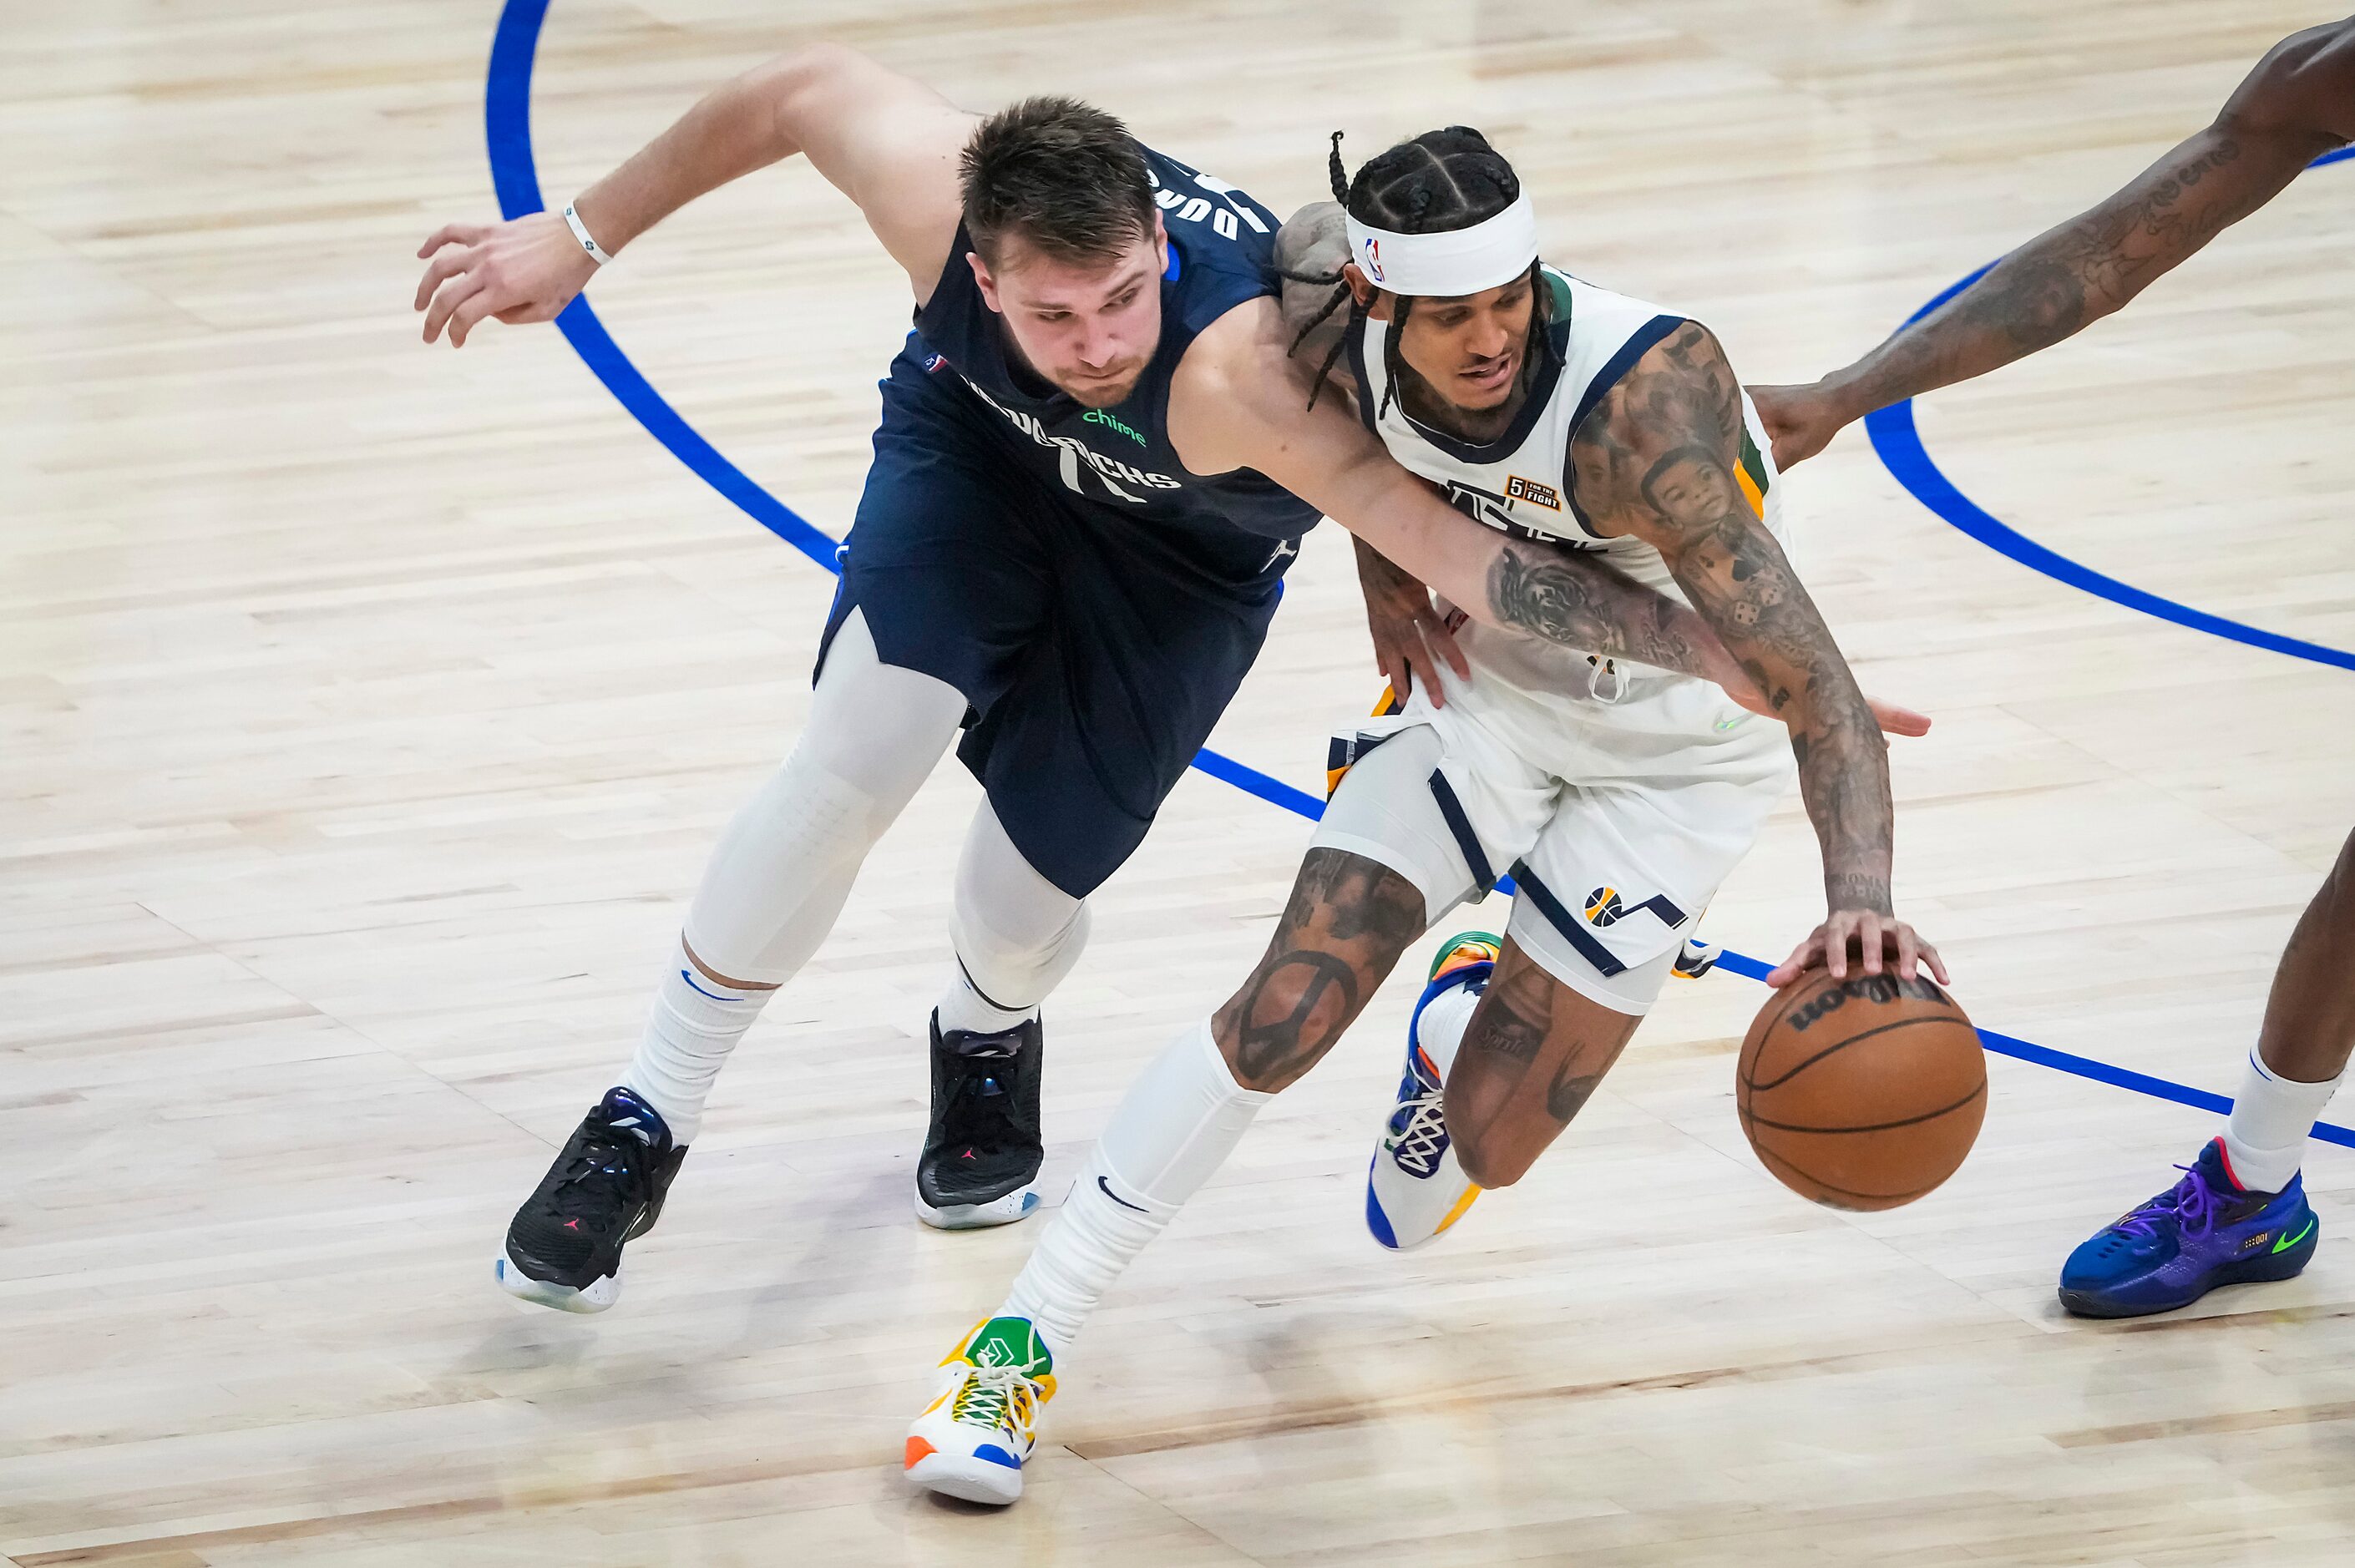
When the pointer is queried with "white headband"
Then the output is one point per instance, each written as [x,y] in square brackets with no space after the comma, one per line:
[1459,261]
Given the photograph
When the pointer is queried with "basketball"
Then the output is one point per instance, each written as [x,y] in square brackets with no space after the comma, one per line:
[1862,1093]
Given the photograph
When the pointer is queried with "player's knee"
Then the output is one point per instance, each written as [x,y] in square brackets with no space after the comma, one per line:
[1491,1163]
[1017,967]
[2341,876]
[1288,1014]
[1016,933]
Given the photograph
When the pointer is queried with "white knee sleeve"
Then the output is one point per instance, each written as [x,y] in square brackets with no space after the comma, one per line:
[1016,933]
[784,867]
[781,873]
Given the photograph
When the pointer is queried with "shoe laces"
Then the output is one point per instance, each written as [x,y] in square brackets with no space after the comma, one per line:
[980,1109]
[998,1397]
[2192,1202]
[601,1180]
[1418,1145]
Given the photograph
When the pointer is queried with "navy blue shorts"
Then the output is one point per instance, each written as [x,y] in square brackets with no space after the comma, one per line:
[1094,651]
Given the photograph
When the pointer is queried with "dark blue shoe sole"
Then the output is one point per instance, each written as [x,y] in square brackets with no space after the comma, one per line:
[2264,1268]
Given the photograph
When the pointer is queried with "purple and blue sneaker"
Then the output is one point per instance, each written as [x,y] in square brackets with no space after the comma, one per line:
[2205,1231]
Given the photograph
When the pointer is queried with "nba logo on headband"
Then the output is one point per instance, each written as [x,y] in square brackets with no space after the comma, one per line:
[1455,261]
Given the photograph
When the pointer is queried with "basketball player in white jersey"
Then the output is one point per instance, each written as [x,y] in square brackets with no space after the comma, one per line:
[1618,795]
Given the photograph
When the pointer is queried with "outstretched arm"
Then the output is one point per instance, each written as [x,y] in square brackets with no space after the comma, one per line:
[1237,401]
[1656,460]
[888,142]
[2298,103]
[1309,251]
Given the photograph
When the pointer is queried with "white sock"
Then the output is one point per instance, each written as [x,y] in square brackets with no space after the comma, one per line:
[963,1007]
[1178,1122]
[2272,1116]
[695,1023]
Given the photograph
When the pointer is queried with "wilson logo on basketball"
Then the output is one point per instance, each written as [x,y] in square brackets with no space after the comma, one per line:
[1530,491]
[1882,989]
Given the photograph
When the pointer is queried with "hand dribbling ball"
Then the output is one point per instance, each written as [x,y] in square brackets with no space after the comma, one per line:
[1862,1093]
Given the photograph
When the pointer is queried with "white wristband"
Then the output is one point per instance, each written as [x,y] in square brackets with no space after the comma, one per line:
[580,233]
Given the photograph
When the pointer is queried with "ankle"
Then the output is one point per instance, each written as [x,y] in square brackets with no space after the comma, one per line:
[962,1007]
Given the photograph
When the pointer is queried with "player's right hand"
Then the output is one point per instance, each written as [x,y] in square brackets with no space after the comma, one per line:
[1878,940]
[1410,636]
[1801,420]
[525,270]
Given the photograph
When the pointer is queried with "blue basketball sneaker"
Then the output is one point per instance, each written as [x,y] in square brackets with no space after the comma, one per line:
[2205,1231]
[1416,1187]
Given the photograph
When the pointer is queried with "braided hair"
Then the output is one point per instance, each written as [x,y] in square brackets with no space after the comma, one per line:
[1442,180]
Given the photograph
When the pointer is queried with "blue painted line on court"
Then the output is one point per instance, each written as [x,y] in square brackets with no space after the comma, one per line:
[1898,443]
[514,176]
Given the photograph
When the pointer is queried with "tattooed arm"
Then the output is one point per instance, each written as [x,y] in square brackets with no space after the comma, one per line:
[1239,401]
[1656,460]
[2298,103]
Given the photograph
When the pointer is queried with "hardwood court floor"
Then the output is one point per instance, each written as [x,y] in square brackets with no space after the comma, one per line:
[365,712]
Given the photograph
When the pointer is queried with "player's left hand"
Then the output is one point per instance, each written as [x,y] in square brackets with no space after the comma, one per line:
[1410,636]
[1881,940]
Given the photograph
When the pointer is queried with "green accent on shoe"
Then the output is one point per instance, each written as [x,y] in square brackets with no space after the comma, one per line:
[2289,1242]
[1010,1342]
[1010,1376]
[1447,948]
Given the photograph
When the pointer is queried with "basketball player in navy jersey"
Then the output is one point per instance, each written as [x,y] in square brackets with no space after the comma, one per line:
[2240,1212]
[1093,470]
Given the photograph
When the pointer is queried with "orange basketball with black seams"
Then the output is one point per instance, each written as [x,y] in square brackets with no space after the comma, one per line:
[1864,1093]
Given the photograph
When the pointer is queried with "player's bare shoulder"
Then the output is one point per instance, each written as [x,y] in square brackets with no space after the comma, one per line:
[887,141]
[2304,86]
[1658,451]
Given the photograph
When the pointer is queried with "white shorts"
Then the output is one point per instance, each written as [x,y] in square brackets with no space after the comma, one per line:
[1618,820]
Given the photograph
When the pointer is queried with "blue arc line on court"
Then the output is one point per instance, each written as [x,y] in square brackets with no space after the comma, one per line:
[514,175]
[1898,443]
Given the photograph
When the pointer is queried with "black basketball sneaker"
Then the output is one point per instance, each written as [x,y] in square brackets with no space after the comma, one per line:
[564,1245]
[983,1152]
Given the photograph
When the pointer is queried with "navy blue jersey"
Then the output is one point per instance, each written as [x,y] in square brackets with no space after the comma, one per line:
[1221,253]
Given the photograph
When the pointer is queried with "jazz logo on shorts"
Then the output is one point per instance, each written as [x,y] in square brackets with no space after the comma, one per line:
[1604,909]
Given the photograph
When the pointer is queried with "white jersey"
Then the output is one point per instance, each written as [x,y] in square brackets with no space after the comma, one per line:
[1521,482]
[1618,798]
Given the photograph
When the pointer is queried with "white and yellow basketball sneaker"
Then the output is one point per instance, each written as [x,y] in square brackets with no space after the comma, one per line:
[1416,1188]
[971,1440]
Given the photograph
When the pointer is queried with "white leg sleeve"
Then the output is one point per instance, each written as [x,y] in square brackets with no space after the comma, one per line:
[1177,1124]
[1016,934]
[782,871]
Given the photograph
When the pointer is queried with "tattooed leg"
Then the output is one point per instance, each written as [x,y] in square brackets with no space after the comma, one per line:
[1531,1057]
[1349,920]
